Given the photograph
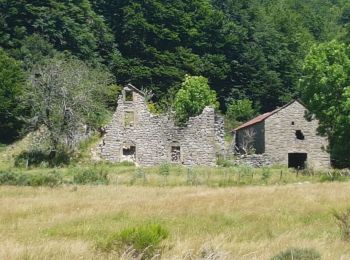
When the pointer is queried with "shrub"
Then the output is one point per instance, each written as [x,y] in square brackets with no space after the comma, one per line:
[164,170]
[298,254]
[91,176]
[266,174]
[8,178]
[221,161]
[35,158]
[343,222]
[143,239]
[50,179]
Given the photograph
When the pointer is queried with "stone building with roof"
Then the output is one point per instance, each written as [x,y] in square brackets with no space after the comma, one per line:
[286,135]
[137,135]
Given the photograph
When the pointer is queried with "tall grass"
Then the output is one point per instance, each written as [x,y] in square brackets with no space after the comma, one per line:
[246,222]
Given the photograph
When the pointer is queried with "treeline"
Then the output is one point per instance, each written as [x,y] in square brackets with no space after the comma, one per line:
[250,50]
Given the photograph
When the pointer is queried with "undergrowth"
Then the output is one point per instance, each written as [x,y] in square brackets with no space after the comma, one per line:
[144,240]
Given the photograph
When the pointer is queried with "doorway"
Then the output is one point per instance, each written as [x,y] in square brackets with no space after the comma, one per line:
[297,160]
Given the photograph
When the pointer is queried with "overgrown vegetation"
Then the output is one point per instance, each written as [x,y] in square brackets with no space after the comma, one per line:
[51,179]
[298,254]
[343,221]
[143,240]
[90,176]
[252,54]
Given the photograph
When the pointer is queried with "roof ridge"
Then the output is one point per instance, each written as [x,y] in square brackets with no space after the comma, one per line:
[263,117]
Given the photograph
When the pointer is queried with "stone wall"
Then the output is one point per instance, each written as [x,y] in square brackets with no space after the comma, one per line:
[254,160]
[280,137]
[155,137]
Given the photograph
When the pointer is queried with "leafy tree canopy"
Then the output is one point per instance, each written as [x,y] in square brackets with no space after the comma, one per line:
[194,95]
[325,88]
[68,25]
[12,80]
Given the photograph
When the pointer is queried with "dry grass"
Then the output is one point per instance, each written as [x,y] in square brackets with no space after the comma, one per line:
[212,223]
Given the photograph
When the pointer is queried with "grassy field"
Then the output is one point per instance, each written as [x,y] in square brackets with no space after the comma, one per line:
[230,223]
[207,213]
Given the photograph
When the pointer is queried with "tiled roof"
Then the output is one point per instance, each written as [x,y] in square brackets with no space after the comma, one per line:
[254,121]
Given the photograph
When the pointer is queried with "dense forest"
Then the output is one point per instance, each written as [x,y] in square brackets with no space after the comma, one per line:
[253,50]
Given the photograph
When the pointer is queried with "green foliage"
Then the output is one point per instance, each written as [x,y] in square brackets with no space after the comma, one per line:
[325,88]
[298,254]
[224,162]
[144,239]
[335,175]
[68,25]
[194,95]
[90,176]
[64,95]
[343,222]
[50,179]
[36,158]
[12,80]
[240,110]
[266,174]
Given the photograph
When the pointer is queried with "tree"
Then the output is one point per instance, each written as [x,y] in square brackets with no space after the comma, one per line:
[65,96]
[325,88]
[11,86]
[194,95]
[69,25]
[240,110]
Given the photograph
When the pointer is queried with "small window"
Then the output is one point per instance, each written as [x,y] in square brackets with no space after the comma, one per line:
[129,95]
[175,154]
[129,153]
[129,119]
[293,123]
[299,135]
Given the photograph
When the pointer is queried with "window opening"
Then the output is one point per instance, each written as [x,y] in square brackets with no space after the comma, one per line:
[129,153]
[129,95]
[292,122]
[299,135]
[175,154]
[129,119]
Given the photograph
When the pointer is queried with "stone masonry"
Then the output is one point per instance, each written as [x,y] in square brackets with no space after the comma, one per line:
[288,137]
[135,134]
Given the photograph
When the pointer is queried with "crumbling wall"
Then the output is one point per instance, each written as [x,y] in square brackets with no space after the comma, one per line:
[154,136]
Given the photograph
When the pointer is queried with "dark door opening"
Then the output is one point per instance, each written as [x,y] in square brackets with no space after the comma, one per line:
[297,160]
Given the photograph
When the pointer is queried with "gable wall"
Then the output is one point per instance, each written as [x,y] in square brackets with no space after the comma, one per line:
[280,138]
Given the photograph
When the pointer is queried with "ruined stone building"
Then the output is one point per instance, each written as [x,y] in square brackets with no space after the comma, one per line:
[286,136]
[135,134]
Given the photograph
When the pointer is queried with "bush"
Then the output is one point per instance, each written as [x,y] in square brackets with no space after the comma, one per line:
[343,222]
[91,176]
[35,158]
[144,240]
[221,161]
[266,174]
[50,179]
[298,254]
